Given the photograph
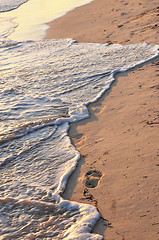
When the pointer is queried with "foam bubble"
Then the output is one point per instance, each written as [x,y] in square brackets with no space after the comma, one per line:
[45,85]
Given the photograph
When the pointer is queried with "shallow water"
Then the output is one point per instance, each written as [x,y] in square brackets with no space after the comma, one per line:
[28,22]
[8,5]
[44,86]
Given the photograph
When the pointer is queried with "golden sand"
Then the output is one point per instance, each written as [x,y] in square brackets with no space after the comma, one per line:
[119,141]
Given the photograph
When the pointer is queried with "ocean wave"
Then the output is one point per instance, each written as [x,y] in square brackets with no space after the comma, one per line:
[10,4]
[46,85]
[47,220]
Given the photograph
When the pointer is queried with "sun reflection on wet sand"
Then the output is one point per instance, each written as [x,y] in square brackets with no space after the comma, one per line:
[32,17]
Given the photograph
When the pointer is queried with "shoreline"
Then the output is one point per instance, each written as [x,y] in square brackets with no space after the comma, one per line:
[101,22]
[118,141]
[83,139]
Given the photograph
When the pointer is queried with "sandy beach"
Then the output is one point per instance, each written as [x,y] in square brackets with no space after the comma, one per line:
[118,169]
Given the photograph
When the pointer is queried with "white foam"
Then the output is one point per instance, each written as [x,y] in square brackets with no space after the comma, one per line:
[46,85]
[69,75]
[8,5]
[61,220]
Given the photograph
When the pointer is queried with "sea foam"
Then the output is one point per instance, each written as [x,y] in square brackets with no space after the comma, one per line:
[10,4]
[44,86]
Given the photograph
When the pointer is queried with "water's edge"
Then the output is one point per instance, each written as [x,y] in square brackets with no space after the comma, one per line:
[99,227]
[76,113]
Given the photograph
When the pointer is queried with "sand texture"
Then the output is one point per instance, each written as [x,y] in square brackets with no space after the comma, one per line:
[105,21]
[119,165]
[119,142]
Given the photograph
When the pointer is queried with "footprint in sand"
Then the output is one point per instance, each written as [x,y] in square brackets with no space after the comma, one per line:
[92,178]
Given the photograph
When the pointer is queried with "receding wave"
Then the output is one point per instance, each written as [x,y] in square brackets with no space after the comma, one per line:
[10,4]
[44,86]
[47,220]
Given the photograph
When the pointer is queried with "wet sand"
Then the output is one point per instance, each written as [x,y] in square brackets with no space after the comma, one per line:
[118,169]
[124,22]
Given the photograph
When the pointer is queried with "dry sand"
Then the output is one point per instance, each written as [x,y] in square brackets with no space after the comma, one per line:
[118,169]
